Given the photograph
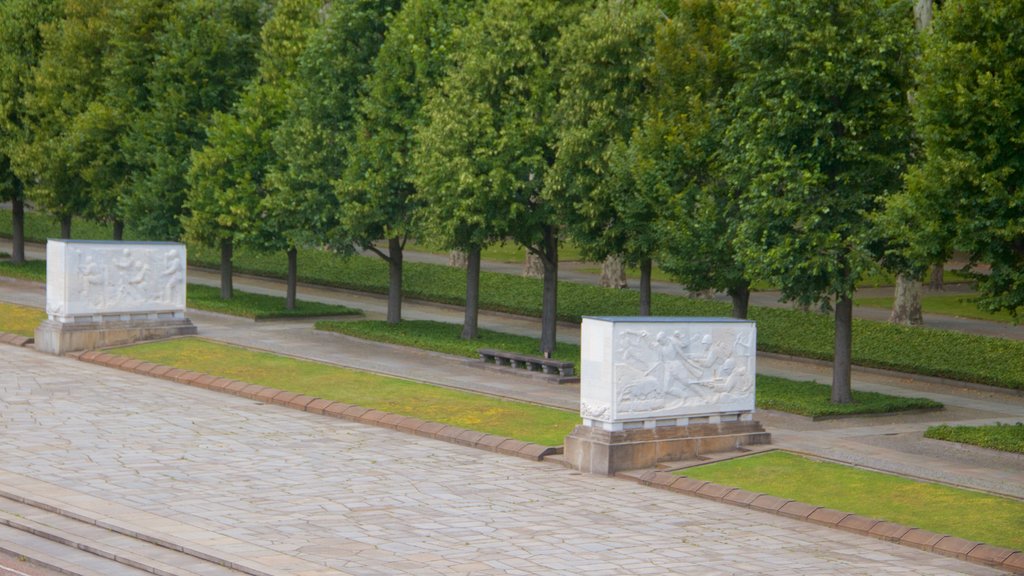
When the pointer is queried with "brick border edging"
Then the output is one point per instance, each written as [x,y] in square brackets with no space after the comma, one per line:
[978,552]
[408,424]
[15,339]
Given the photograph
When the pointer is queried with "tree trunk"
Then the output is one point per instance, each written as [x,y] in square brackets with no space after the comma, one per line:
[906,305]
[65,227]
[740,296]
[458,259]
[18,231]
[613,272]
[471,322]
[293,278]
[533,267]
[645,286]
[118,230]
[549,315]
[841,389]
[227,287]
[936,280]
[394,280]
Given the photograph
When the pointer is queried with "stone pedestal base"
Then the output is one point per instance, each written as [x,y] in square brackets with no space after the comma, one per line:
[62,337]
[598,451]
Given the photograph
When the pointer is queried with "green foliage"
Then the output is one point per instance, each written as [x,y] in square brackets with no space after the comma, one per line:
[33,270]
[942,509]
[485,149]
[519,420]
[821,134]
[312,140]
[58,109]
[814,400]
[205,54]
[444,338]
[968,192]
[20,46]
[603,85]
[377,196]
[676,151]
[258,306]
[1005,437]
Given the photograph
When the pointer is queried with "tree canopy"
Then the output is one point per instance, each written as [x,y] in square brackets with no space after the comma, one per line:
[820,136]
[968,191]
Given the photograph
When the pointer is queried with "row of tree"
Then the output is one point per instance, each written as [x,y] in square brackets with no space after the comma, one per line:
[802,142]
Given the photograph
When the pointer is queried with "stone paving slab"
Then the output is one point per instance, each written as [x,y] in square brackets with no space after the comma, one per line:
[370,500]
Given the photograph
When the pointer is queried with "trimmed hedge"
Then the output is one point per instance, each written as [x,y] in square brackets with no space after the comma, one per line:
[949,354]
[1005,437]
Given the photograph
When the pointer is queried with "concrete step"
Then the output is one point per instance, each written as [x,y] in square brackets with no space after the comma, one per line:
[80,548]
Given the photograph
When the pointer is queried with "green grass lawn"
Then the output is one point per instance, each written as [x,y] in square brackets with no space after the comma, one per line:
[445,338]
[1005,437]
[31,270]
[526,422]
[259,306]
[20,320]
[814,400]
[960,305]
[938,508]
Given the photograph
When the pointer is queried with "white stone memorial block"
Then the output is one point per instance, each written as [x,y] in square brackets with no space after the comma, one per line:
[645,372]
[96,281]
[109,293]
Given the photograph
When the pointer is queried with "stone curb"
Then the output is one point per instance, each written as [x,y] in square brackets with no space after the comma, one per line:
[1002,558]
[435,430]
[15,339]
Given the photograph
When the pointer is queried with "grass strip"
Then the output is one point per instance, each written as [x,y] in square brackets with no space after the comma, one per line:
[519,420]
[1005,437]
[942,509]
[31,270]
[20,320]
[814,400]
[445,338]
[259,306]
[773,393]
[961,305]
[981,359]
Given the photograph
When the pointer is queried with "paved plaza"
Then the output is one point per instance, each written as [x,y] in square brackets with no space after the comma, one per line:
[282,486]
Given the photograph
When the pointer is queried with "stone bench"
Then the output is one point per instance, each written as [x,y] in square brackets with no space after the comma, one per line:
[534,363]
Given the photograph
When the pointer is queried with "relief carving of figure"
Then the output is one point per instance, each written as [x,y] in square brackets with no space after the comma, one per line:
[91,289]
[171,275]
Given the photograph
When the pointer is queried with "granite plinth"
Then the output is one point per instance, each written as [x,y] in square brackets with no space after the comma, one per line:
[63,337]
[595,450]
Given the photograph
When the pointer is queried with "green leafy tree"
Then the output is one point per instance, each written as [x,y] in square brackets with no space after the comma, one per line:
[377,196]
[675,155]
[205,54]
[20,47]
[60,120]
[820,137]
[488,143]
[229,175]
[968,192]
[603,85]
[312,140]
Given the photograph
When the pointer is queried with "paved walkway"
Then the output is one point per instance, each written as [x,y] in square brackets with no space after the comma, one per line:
[306,494]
